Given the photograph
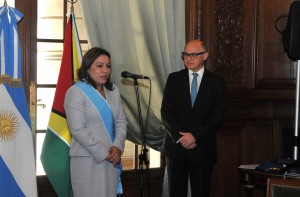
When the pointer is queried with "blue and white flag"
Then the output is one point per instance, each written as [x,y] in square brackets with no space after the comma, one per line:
[17,163]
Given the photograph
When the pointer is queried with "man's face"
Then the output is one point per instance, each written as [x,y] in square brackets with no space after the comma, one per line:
[194,55]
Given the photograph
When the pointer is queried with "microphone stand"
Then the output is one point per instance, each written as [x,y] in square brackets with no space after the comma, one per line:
[143,159]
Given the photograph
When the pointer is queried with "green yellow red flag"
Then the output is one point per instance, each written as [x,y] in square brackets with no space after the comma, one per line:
[55,150]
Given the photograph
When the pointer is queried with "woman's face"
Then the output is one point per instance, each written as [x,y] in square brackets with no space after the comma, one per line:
[100,70]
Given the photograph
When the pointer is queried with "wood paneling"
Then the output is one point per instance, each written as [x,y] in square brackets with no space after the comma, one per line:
[27,33]
[272,62]
[246,49]
[132,184]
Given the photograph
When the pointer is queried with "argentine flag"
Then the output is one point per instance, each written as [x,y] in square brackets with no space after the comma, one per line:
[17,163]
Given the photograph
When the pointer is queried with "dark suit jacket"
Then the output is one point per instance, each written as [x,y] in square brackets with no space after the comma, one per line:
[203,120]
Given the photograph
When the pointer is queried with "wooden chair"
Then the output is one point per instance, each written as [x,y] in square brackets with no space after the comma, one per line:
[280,187]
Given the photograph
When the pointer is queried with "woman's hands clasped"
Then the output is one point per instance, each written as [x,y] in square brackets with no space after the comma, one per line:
[114,155]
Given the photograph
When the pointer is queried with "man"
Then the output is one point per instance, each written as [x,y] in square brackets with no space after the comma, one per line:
[190,143]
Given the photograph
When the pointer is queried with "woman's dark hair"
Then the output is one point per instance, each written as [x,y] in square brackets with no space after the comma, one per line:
[87,61]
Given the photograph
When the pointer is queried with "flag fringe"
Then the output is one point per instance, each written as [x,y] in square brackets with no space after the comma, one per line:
[13,83]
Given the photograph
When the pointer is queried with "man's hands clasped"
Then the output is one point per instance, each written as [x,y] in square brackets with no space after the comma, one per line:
[187,140]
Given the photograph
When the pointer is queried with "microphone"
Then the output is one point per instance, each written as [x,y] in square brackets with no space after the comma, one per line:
[126,74]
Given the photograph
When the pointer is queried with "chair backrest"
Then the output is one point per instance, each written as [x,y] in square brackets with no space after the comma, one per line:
[280,187]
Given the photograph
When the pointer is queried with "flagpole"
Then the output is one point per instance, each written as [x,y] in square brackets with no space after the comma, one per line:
[72,2]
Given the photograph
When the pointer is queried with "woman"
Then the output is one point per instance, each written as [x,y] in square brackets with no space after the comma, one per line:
[98,126]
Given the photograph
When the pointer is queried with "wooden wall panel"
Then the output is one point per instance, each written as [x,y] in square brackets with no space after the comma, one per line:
[261,143]
[246,49]
[26,35]
[273,65]
[132,184]
[225,175]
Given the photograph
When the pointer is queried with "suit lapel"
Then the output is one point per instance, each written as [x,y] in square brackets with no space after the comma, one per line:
[185,88]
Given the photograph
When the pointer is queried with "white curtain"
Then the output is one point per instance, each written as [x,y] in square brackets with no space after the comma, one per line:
[144,37]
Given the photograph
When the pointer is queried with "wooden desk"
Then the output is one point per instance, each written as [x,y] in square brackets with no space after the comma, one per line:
[252,180]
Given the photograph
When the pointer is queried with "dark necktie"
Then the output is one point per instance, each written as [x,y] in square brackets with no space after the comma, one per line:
[194,88]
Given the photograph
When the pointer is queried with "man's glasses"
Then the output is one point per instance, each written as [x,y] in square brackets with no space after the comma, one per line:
[185,55]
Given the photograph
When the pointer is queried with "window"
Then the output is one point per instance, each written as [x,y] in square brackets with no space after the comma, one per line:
[11,3]
[51,23]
